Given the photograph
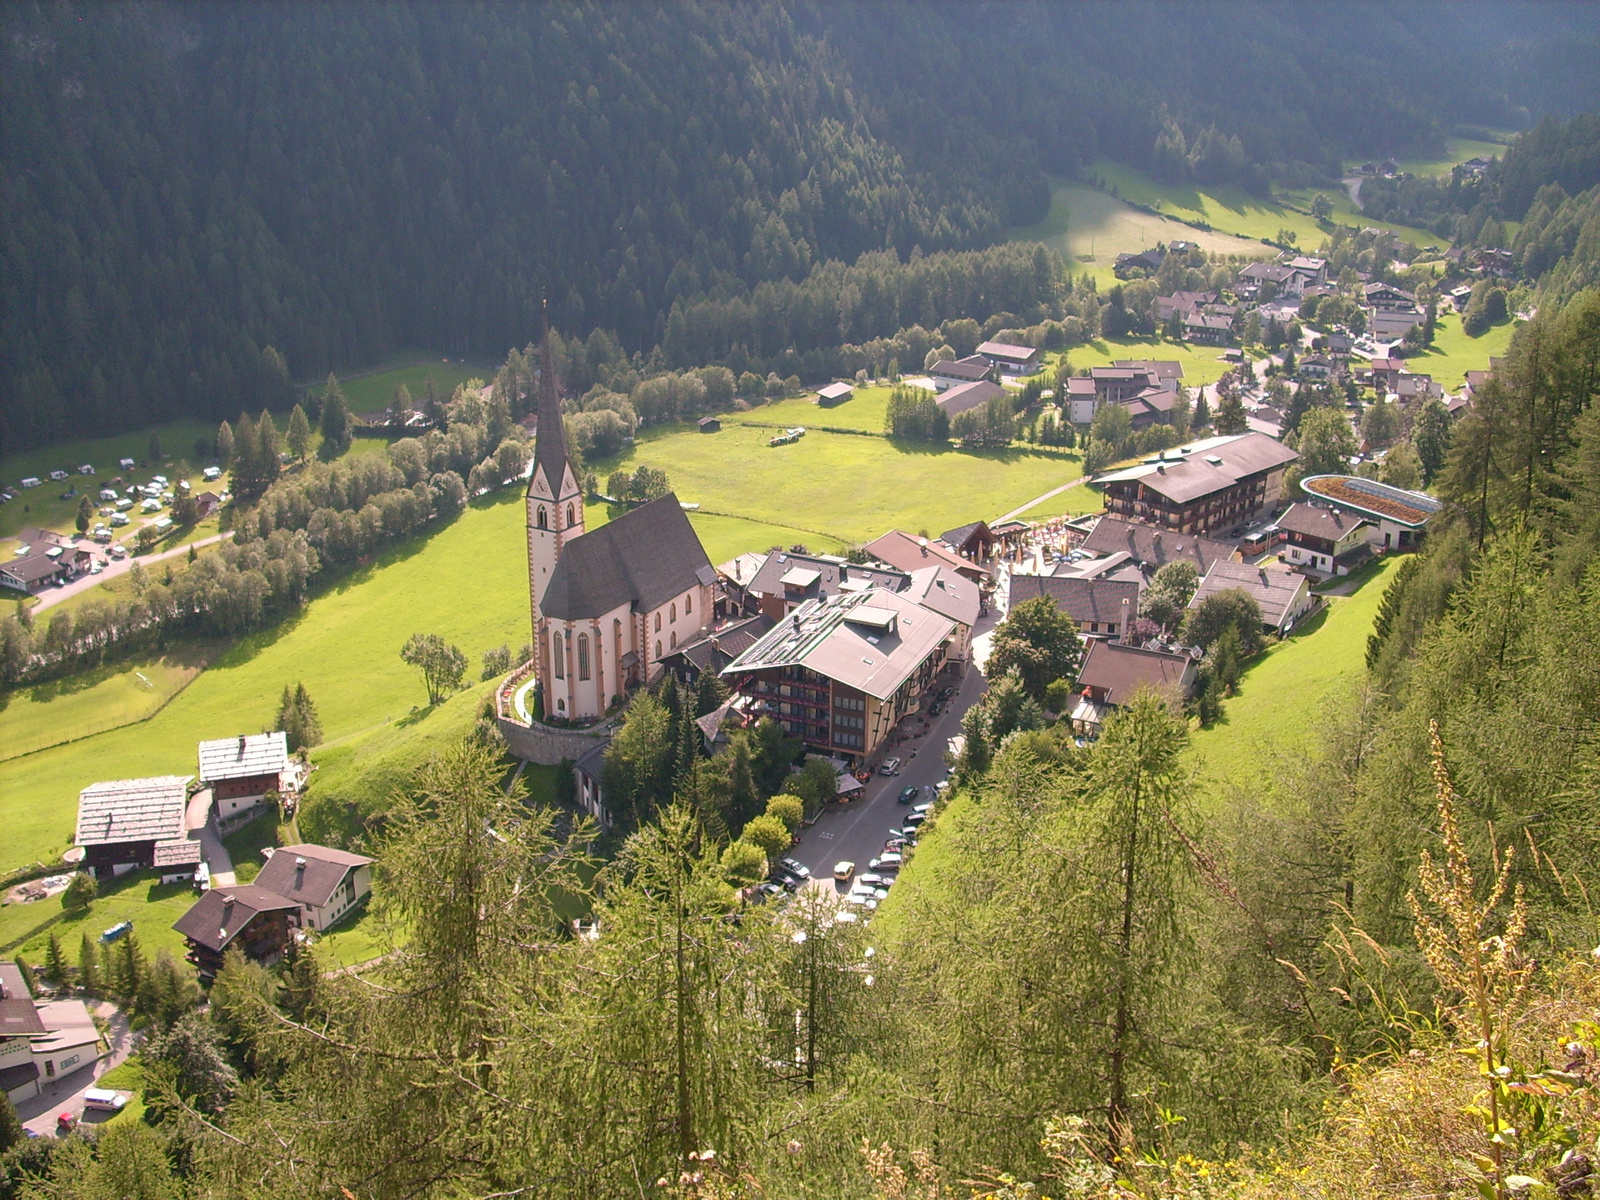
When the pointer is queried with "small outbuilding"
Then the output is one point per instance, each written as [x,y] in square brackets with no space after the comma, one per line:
[834,393]
[710,424]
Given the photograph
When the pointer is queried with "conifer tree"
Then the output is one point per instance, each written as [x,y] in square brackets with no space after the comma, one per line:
[336,421]
[88,965]
[225,444]
[55,963]
[299,432]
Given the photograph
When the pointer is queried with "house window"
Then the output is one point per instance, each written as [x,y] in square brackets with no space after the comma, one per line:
[688,604]
[673,615]
[557,656]
[658,624]
[583,656]
[544,518]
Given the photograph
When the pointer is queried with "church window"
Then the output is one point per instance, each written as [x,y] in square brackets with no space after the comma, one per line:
[658,647]
[674,617]
[688,603]
[558,656]
[658,620]
[544,518]
[674,639]
[583,656]
[570,521]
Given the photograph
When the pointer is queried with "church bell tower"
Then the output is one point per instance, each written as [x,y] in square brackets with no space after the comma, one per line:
[554,498]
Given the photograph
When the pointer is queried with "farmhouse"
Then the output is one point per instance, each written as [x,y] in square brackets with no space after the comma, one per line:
[1324,539]
[964,396]
[1145,260]
[1283,596]
[607,606]
[1401,516]
[1182,302]
[1012,359]
[1212,484]
[325,883]
[840,674]
[245,915]
[32,573]
[121,822]
[947,374]
[1096,606]
[1112,672]
[834,393]
[1207,329]
[240,771]
[1386,297]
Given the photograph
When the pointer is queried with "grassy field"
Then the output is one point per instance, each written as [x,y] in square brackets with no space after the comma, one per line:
[94,701]
[1201,364]
[1089,228]
[369,391]
[1453,353]
[142,898]
[1456,150]
[1287,685]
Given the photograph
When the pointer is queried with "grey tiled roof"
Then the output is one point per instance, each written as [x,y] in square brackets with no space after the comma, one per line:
[243,756]
[1098,601]
[643,558]
[132,810]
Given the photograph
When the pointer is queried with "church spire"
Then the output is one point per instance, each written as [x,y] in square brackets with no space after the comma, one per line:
[550,451]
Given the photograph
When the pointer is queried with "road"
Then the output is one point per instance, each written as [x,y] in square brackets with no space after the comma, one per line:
[113,568]
[856,831]
[1053,492]
[66,1093]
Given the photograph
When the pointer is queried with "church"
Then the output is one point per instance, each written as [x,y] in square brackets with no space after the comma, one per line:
[609,605]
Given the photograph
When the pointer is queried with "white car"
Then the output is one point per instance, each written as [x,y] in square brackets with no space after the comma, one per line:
[104,1100]
[891,766]
[843,870]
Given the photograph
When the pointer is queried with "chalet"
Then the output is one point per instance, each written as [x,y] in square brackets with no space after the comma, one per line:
[1461,297]
[1315,366]
[1082,399]
[1114,384]
[241,771]
[1207,330]
[1211,484]
[709,424]
[1256,275]
[974,541]
[1323,539]
[244,915]
[205,504]
[1146,260]
[907,553]
[787,579]
[1153,406]
[840,674]
[1387,298]
[947,373]
[587,773]
[32,573]
[1418,386]
[1339,344]
[1392,326]
[1150,547]
[965,396]
[1010,359]
[1401,516]
[1096,606]
[122,822]
[834,393]
[20,1024]
[1499,263]
[717,648]
[733,595]
[1182,302]
[1284,597]
[1386,373]
[1112,672]
[325,883]
[1309,273]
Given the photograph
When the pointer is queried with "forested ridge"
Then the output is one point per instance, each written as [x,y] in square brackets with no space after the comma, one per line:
[188,185]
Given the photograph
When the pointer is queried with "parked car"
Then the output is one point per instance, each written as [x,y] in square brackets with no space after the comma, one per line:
[796,868]
[843,870]
[891,766]
[889,860]
[66,1123]
[104,1100]
[923,807]
[907,795]
[916,818]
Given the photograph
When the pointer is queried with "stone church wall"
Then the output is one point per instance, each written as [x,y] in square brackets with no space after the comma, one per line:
[547,746]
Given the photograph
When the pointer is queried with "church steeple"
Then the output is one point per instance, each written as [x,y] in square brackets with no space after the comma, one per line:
[550,453]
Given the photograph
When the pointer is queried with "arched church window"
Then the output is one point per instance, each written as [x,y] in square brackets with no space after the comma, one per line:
[658,647]
[544,518]
[688,603]
[570,521]
[558,656]
[674,617]
[658,620]
[583,656]
[674,639]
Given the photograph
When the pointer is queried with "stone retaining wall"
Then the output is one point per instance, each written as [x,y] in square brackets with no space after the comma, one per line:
[548,747]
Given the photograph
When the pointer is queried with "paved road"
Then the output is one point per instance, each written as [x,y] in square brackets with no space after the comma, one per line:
[856,831]
[113,568]
[66,1093]
[202,820]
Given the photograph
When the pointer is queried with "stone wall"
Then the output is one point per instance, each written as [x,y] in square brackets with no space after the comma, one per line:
[547,746]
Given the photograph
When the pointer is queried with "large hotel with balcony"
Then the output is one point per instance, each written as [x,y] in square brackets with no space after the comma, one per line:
[1209,485]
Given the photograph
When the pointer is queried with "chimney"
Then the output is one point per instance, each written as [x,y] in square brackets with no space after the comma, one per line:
[923,543]
[241,745]
[1263,577]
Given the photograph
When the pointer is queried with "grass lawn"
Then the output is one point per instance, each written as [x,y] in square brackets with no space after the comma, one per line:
[369,391]
[1089,227]
[1201,364]
[139,897]
[1283,689]
[1073,502]
[245,844]
[358,940]
[129,1077]
[1456,150]
[93,701]
[1453,353]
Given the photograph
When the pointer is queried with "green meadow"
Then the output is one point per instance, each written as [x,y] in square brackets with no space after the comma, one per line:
[1201,364]
[369,391]
[1282,690]
[1454,353]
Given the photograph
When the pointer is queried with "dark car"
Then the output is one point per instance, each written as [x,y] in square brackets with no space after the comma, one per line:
[907,795]
[936,708]
[916,818]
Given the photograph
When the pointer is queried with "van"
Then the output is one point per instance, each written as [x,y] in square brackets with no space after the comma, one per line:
[104,1100]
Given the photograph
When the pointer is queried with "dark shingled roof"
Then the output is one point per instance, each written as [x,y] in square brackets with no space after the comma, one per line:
[325,870]
[1121,670]
[550,449]
[1154,548]
[1314,521]
[204,922]
[1084,600]
[18,1016]
[643,558]
[720,647]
